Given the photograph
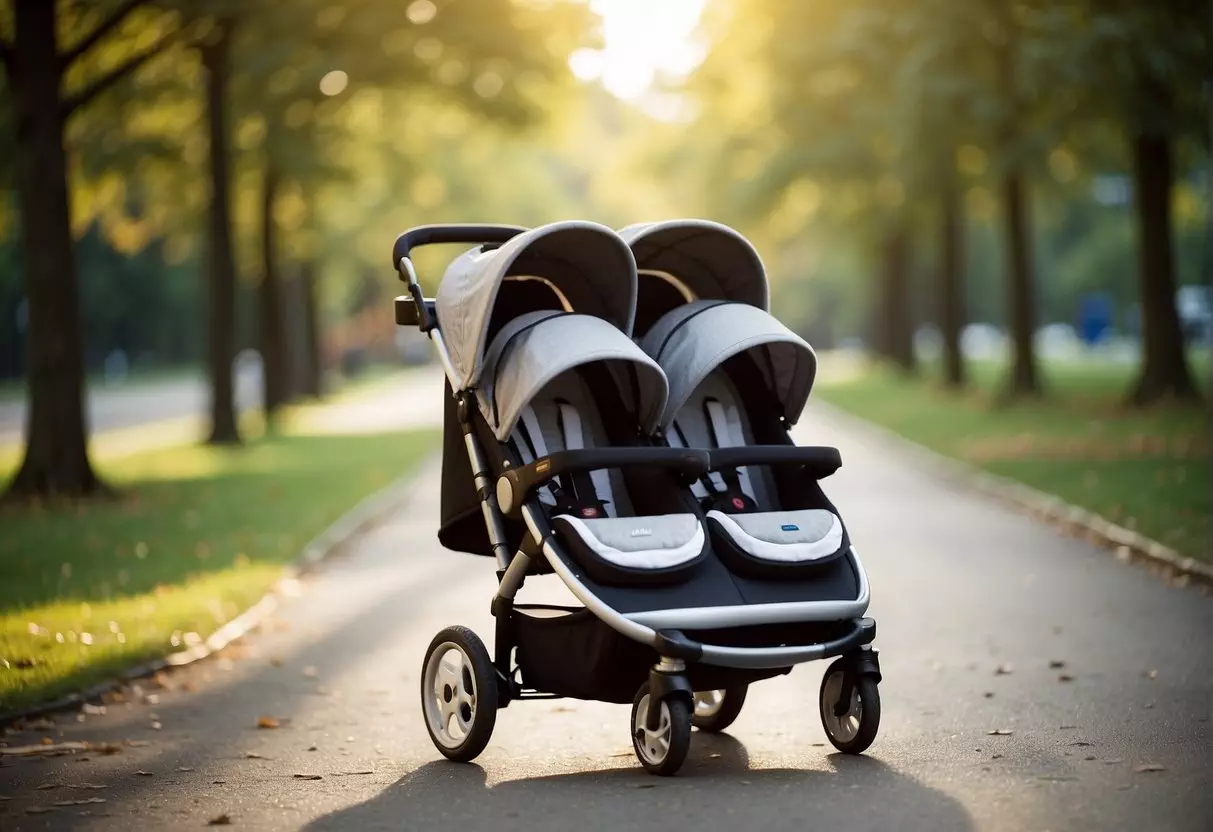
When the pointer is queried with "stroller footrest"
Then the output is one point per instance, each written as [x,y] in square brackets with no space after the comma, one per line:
[757,658]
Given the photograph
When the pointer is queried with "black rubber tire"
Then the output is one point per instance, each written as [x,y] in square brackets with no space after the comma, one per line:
[730,709]
[485,676]
[869,717]
[680,733]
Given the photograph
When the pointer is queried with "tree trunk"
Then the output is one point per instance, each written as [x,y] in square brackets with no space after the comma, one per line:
[222,270]
[312,364]
[56,458]
[1164,370]
[899,318]
[1021,293]
[270,298]
[951,281]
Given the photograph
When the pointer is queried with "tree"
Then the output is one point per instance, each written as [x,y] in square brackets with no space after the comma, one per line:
[1157,53]
[56,460]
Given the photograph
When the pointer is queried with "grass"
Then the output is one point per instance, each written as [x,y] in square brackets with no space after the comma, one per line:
[1144,469]
[198,535]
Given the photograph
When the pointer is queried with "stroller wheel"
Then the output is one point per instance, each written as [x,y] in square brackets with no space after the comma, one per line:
[850,725]
[661,751]
[459,694]
[716,710]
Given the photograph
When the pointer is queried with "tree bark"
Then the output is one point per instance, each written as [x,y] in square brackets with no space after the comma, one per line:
[898,323]
[1021,291]
[222,270]
[312,365]
[1164,370]
[273,339]
[56,458]
[951,281]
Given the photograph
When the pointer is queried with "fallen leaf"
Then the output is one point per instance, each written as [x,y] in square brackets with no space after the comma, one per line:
[1003,670]
[143,773]
[184,768]
[1067,727]
[999,732]
[715,755]
[85,802]
[309,777]
[988,694]
[1144,767]
[995,756]
[818,744]
[218,782]
[1065,677]
[1089,757]
[1112,762]
[50,749]
[155,726]
[312,748]
[253,755]
[267,722]
[1056,664]
[1080,743]
[221,820]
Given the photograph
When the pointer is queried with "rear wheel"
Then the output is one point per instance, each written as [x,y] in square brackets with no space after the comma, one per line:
[663,750]
[459,694]
[716,710]
[851,721]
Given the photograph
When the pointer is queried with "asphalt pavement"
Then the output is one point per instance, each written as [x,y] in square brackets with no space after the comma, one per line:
[1031,682]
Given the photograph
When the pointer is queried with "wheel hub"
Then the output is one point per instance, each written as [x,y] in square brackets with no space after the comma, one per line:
[843,717]
[652,745]
[708,702]
[450,707]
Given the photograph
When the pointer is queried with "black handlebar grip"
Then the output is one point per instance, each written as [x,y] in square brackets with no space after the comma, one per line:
[469,233]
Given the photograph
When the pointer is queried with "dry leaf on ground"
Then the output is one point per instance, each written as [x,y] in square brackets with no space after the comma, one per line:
[309,777]
[143,773]
[221,820]
[1144,767]
[267,722]
[1065,677]
[50,749]
[1004,670]
[1056,664]
[999,732]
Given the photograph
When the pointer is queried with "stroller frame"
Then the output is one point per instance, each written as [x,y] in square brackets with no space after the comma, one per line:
[661,630]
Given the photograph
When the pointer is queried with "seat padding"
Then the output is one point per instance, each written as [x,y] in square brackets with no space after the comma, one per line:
[777,543]
[634,550]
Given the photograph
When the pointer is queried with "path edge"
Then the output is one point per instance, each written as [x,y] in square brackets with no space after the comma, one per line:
[1126,545]
[364,516]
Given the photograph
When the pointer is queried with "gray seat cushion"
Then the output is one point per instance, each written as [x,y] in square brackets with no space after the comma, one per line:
[787,537]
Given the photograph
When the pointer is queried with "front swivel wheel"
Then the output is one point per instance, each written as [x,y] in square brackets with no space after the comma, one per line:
[661,750]
[459,694]
[850,718]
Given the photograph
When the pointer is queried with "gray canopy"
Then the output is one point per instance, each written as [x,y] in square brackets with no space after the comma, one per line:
[534,348]
[693,340]
[712,260]
[587,264]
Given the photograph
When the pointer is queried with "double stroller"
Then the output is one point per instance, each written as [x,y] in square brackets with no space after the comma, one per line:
[617,413]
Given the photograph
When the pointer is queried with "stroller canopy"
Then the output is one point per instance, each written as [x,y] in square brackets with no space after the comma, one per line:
[711,261]
[586,264]
[693,340]
[534,348]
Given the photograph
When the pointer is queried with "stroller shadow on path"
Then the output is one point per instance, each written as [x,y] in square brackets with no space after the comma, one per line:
[716,789]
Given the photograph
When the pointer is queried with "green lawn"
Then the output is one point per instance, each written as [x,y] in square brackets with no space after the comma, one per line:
[199,534]
[1147,470]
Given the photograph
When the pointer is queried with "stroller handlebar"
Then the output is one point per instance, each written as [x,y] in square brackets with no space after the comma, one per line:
[516,484]
[469,233]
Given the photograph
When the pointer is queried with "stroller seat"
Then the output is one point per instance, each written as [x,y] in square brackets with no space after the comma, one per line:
[617,536]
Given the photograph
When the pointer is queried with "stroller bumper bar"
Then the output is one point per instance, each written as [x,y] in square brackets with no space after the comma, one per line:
[819,461]
[515,486]
[677,645]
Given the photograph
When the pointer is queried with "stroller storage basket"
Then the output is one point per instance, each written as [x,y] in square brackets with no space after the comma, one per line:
[570,652]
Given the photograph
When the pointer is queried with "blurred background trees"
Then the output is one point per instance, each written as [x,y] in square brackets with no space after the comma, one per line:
[184,181]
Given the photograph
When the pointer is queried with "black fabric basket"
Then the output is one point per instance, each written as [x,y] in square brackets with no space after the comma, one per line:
[570,652]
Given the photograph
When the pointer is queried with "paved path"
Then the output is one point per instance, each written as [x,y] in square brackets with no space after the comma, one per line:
[961,587]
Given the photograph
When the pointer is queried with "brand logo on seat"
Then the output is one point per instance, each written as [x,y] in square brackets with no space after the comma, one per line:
[642,532]
[789,527]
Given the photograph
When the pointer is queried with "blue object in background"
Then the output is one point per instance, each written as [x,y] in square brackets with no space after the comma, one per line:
[1094,318]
